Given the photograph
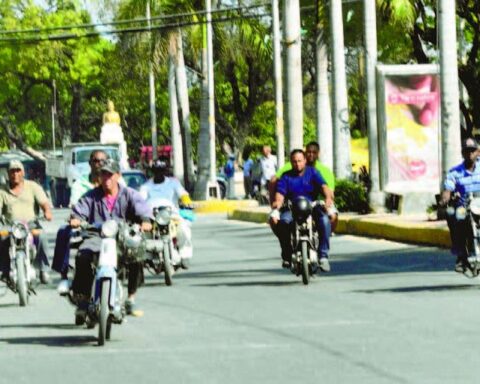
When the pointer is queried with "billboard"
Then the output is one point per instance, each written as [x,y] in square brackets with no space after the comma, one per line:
[409,128]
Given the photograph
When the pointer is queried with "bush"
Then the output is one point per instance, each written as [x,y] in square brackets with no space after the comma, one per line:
[351,197]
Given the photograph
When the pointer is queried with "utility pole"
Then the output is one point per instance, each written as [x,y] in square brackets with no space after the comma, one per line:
[370,27]
[151,81]
[277,73]
[449,85]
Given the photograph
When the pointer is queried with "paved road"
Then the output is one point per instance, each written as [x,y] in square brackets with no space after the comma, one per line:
[388,313]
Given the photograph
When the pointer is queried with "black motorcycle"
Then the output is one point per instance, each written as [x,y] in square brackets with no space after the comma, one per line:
[470,214]
[304,239]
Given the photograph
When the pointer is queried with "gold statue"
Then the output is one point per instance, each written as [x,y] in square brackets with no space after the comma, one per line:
[111,116]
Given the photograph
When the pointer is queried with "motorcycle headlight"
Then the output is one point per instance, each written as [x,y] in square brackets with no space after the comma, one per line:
[19,231]
[475,206]
[163,215]
[110,228]
[461,213]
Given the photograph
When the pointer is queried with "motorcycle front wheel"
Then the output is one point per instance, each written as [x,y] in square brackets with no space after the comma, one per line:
[305,267]
[167,263]
[103,326]
[22,288]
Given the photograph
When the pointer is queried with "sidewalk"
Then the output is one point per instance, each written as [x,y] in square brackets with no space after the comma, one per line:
[409,229]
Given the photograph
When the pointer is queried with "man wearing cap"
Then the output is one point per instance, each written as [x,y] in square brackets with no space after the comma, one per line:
[61,254]
[162,190]
[459,182]
[110,200]
[19,201]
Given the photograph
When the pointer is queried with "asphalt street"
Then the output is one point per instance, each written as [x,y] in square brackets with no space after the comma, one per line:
[387,313]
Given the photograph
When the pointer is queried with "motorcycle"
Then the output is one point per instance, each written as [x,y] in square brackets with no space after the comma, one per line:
[304,238]
[470,212]
[121,244]
[22,252]
[162,249]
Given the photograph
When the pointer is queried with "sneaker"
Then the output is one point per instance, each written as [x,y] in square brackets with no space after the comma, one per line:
[80,316]
[132,309]
[44,277]
[286,264]
[324,264]
[63,287]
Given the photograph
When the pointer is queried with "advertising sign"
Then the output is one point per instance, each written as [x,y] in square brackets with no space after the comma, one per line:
[409,128]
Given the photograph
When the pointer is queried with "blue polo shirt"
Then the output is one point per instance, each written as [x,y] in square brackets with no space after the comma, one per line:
[461,180]
[309,185]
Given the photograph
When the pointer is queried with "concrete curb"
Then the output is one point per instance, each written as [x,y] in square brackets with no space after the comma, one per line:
[223,206]
[390,227]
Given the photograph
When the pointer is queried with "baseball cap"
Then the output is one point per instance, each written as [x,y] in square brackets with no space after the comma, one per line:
[111,166]
[15,164]
[469,144]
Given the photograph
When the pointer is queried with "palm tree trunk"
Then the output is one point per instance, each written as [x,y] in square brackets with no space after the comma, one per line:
[182,95]
[174,123]
[294,87]
[277,73]
[203,166]
[324,111]
[370,25]
[449,86]
[341,136]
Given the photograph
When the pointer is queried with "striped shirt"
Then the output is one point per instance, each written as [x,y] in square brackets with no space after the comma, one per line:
[462,181]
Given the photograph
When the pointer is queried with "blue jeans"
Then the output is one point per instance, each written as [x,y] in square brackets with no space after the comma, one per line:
[61,255]
[285,227]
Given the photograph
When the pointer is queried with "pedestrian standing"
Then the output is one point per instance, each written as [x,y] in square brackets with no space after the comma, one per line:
[229,171]
[247,174]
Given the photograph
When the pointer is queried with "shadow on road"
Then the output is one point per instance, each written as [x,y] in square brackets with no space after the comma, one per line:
[422,288]
[250,284]
[34,326]
[408,260]
[52,341]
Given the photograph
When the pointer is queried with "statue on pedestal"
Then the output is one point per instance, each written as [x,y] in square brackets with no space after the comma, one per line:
[112,133]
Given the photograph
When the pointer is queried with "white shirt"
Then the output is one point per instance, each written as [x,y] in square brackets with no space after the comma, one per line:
[269,167]
[166,193]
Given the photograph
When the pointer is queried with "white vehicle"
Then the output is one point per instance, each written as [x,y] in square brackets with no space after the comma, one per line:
[69,165]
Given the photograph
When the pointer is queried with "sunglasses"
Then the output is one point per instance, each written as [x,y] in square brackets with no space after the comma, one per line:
[98,160]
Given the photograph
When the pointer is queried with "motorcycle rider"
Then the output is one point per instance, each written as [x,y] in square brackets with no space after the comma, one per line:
[19,201]
[61,254]
[312,152]
[161,189]
[305,181]
[110,200]
[459,182]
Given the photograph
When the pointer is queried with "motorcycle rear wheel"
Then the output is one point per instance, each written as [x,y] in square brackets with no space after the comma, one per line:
[22,288]
[305,266]
[167,264]
[104,313]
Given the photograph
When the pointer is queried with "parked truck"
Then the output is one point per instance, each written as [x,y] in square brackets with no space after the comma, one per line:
[63,168]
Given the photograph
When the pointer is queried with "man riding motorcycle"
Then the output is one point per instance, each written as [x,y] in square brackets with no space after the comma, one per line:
[304,181]
[61,255]
[459,182]
[18,202]
[108,201]
[162,189]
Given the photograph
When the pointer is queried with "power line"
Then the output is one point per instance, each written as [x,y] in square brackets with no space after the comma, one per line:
[132,21]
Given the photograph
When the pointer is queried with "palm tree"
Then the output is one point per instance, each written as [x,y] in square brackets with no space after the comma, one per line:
[294,88]
[323,109]
[341,137]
